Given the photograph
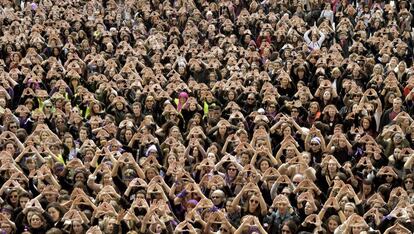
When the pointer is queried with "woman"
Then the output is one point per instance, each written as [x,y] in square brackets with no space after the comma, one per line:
[331,118]
[330,169]
[282,212]
[366,191]
[181,101]
[369,126]
[254,205]
[408,184]
[289,227]
[314,43]
[332,223]
[286,87]
[36,221]
[56,212]
[221,132]
[78,228]
[69,146]
[314,113]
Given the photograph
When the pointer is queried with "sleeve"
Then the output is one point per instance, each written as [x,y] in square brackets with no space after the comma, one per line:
[321,39]
[306,37]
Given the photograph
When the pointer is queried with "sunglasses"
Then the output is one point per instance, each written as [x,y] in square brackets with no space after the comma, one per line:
[314,144]
[215,197]
[232,169]
[254,201]
[408,182]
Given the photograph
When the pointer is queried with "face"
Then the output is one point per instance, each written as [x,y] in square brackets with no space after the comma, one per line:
[54,213]
[348,210]
[77,227]
[332,225]
[23,201]
[286,230]
[119,106]
[13,197]
[313,109]
[222,129]
[107,179]
[68,142]
[175,132]
[150,174]
[308,208]
[264,165]
[397,103]
[356,229]
[30,164]
[36,221]
[171,159]
[282,207]
[326,95]
[245,159]
[136,109]
[253,202]
[408,183]
[332,166]
[80,177]
[10,148]
[217,198]
[332,112]
[287,131]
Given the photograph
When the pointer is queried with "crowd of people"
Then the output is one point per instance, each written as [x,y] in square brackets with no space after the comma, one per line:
[196,116]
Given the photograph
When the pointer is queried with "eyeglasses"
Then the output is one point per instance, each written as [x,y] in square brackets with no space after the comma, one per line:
[250,99]
[314,144]
[408,181]
[215,197]
[48,106]
[232,169]
[254,201]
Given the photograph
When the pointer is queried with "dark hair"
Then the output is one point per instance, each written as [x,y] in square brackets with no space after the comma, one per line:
[58,207]
[291,225]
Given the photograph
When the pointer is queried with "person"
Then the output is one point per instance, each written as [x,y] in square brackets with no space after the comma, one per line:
[191,116]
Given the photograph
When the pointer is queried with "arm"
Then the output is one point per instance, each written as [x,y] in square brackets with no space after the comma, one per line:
[306,37]
[91,182]
[321,39]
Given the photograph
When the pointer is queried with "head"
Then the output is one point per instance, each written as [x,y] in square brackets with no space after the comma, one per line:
[332,223]
[218,197]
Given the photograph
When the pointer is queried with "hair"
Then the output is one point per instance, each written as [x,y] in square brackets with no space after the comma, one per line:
[54,231]
[58,207]
[291,225]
